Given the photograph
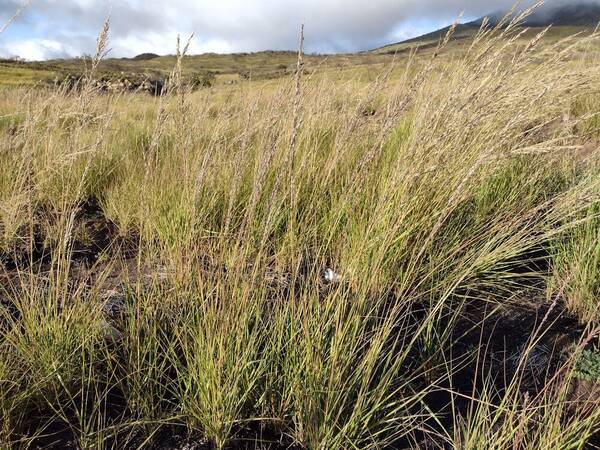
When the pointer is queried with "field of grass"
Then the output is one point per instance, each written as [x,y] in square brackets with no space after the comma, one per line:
[401,261]
[227,68]
[15,74]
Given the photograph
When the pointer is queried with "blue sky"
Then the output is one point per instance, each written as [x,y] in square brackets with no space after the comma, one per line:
[66,28]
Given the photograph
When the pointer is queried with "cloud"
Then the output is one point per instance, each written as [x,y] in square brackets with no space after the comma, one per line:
[9,7]
[68,27]
[36,49]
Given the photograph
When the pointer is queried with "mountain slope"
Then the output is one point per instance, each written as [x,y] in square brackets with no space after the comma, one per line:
[578,14]
[583,14]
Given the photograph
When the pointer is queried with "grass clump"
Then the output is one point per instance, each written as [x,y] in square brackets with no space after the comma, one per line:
[577,264]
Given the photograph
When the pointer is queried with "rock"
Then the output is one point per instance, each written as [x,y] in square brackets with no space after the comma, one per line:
[331,277]
[158,273]
[113,302]
[110,333]
[276,281]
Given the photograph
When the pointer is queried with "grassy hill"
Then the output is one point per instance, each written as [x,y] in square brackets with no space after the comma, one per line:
[227,68]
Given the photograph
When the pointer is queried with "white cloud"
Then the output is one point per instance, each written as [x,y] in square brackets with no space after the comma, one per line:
[52,27]
[35,49]
[164,43]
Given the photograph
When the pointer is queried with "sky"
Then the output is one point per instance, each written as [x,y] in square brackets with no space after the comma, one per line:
[48,29]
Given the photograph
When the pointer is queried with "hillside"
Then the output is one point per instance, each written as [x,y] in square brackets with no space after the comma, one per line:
[565,19]
[231,68]
[577,14]
[225,68]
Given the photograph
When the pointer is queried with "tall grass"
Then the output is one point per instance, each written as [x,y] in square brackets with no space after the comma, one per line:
[447,184]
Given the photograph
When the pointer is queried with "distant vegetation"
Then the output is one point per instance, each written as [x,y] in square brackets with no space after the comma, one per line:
[225,68]
[146,56]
